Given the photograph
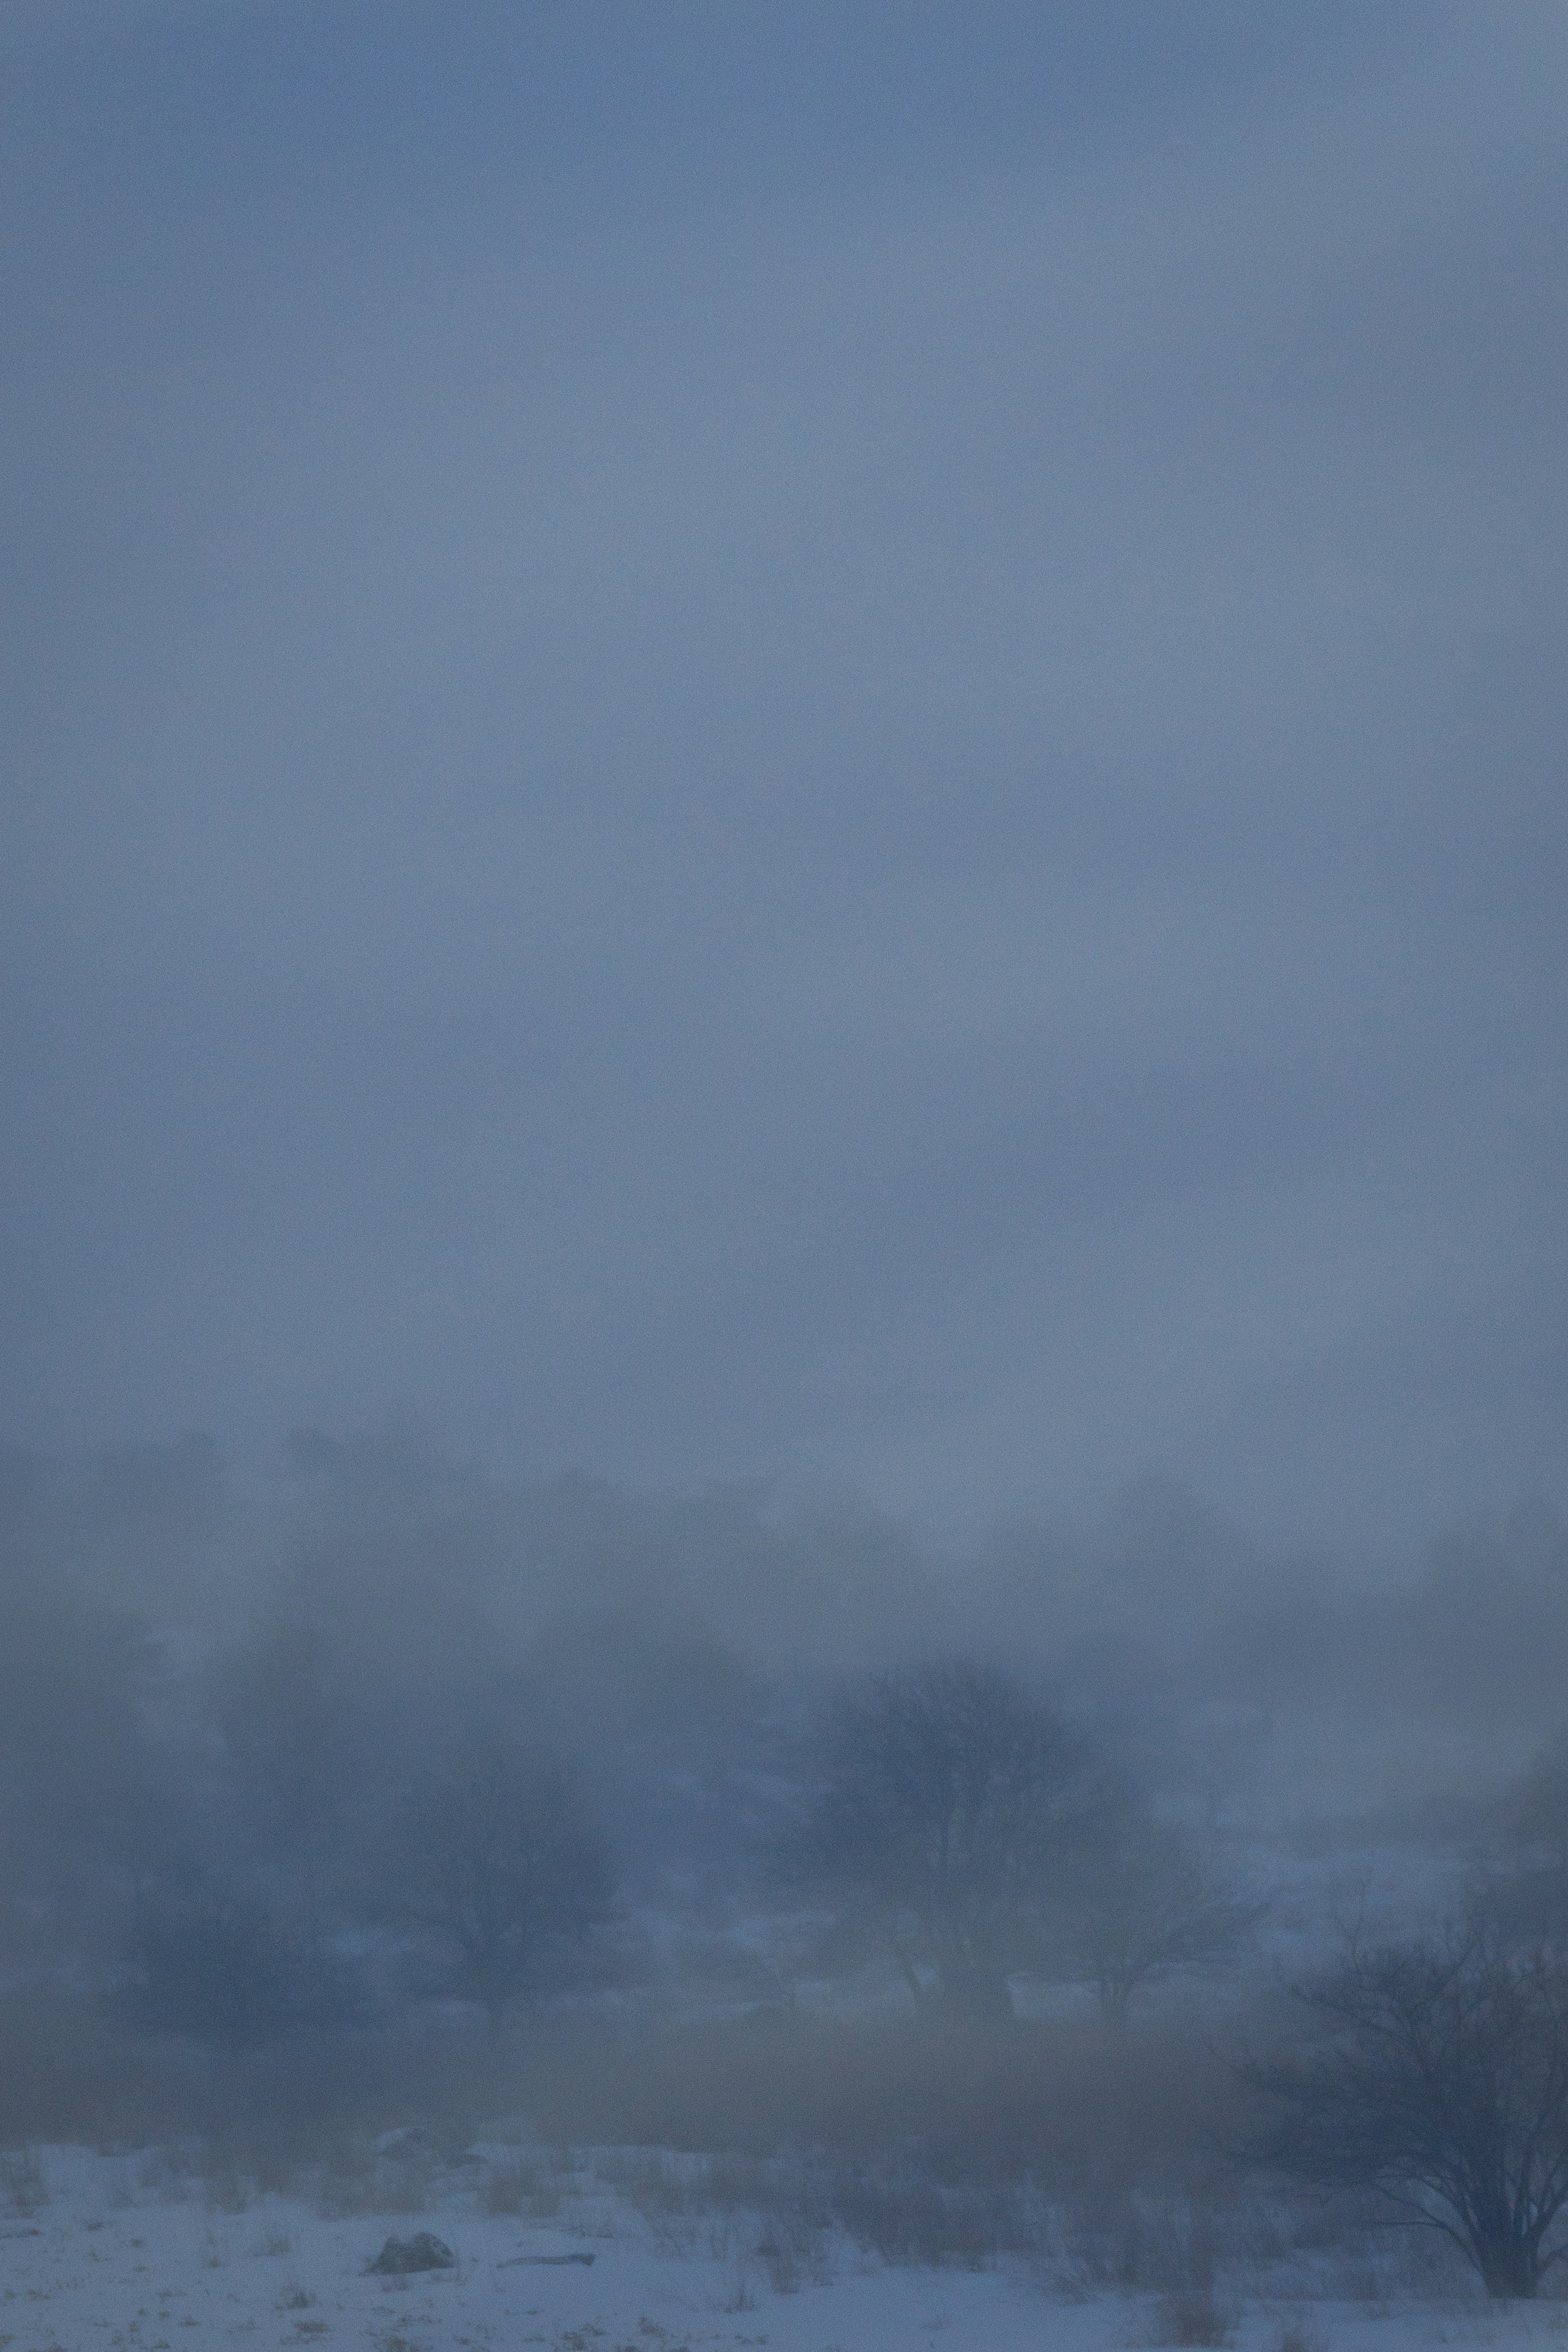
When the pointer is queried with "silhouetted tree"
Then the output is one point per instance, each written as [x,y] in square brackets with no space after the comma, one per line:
[83,1800]
[1145,1903]
[216,1964]
[1443,2083]
[1522,1885]
[295,1778]
[949,1800]
[501,1867]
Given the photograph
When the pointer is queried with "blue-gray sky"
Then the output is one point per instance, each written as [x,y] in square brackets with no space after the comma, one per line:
[808,740]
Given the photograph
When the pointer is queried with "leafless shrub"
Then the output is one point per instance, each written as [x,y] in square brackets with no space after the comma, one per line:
[24,2184]
[166,2173]
[652,2184]
[359,2176]
[1389,2266]
[660,2191]
[908,2218]
[1128,2237]
[1146,1902]
[1255,2233]
[1192,2318]
[1439,2079]
[227,2189]
[729,2183]
[498,1864]
[949,1797]
[779,2212]
[793,2247]
[786,2213]
[520,2189]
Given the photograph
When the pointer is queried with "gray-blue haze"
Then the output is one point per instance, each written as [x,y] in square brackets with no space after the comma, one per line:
[792,739]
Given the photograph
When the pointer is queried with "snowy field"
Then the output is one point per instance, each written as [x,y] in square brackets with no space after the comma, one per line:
[142,2250]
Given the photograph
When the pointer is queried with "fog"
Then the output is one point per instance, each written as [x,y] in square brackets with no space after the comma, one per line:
[779,746]
[781,931]
[199,1669]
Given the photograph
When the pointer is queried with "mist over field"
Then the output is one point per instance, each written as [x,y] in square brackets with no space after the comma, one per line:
[783,1089]
[246,1681]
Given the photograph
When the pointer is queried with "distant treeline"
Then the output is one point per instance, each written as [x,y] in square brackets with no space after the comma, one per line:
[391,1733]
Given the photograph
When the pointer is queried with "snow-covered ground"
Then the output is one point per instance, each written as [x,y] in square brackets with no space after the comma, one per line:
[140,2253]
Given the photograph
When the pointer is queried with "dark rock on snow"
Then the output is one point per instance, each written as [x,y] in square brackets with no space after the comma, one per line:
[423,2252]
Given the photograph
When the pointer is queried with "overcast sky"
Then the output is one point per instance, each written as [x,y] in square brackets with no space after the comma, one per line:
[814,740]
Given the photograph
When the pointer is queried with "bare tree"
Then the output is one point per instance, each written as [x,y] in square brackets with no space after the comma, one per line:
[1522,1884]
[500,1867]
[1443,2083]
[948,1799]
[87,1791]
[283,1712]
[1145,1904]
[212,1961]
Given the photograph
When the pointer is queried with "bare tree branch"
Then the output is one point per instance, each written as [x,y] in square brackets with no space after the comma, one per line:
[1442,2081]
